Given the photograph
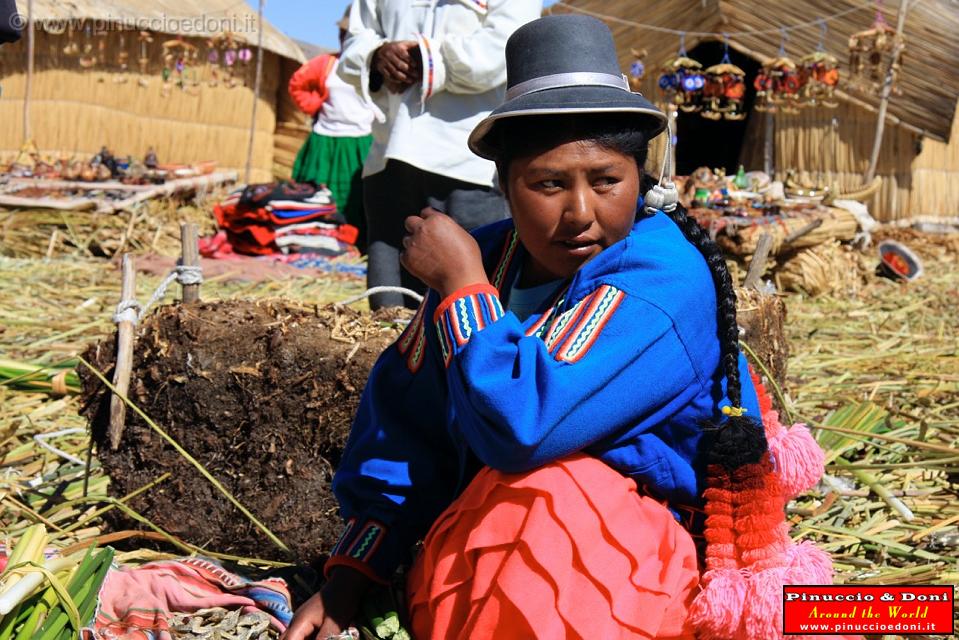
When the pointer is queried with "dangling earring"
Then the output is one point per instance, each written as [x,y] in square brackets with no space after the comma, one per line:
[663,196]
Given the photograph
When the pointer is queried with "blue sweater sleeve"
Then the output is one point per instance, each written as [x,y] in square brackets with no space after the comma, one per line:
[523,399]
[399,468]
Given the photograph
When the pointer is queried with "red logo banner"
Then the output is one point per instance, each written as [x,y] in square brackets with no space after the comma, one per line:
[868,609]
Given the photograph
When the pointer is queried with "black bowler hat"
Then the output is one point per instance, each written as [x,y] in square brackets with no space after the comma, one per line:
[565,64]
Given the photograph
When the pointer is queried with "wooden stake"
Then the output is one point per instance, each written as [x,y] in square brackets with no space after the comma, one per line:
[798,233]
[31,55]
[189,257]
[758,263]
[884,96]
[769,144]
[121,374]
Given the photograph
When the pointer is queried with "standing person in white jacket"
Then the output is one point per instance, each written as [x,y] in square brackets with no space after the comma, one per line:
[433,69]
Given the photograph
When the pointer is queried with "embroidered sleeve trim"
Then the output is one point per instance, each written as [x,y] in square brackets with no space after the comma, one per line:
[357,546]
[412,342]
[428,67]
[464,313]
[572,333]
[509,252]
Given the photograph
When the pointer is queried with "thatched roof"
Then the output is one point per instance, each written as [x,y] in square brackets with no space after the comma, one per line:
[175,17]
[929,83]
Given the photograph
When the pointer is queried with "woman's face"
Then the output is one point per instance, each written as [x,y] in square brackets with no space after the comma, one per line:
[570,203]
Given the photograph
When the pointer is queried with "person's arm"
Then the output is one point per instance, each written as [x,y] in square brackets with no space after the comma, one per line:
[398,472]
[613,362]
[365,37]
[475,62]
[399,466]
[308,84]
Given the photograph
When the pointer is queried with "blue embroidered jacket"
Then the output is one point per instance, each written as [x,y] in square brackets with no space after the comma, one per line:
[622,363]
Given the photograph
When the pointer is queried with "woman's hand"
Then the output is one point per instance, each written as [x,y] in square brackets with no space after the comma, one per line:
[441,253]
[330,611]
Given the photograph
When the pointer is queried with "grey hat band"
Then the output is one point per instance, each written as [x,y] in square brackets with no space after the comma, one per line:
[572,79]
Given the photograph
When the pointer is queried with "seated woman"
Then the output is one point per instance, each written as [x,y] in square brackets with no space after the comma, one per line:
[540,423]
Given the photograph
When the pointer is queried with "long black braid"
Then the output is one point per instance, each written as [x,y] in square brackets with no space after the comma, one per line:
[740,440]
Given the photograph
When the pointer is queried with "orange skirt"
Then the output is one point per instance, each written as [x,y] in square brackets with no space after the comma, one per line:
[569,550]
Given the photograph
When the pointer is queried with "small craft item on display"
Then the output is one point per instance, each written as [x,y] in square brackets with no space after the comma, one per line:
[724,92]
[179,58]
[71,48]
[145,39]
[213,65]
[820,72]
[871,53]
[222,59]
[779,86]
[637,69]
[682,82]
[123,62]
[87,58]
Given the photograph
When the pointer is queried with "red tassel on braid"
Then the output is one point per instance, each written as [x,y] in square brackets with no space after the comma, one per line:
[719,533]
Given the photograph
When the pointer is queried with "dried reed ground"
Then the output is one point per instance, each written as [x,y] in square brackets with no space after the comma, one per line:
[885,361]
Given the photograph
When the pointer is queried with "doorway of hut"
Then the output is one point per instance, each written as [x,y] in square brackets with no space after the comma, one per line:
[701,142]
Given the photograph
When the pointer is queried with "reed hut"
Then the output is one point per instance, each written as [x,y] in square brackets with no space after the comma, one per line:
[175,76]
[919,156]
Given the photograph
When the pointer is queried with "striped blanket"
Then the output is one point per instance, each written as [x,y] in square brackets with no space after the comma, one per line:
[136,604]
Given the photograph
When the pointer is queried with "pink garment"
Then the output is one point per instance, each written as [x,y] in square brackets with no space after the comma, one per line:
[135,604]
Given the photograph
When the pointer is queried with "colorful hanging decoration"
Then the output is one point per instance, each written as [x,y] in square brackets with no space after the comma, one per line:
[779,86]
[144,39]
[682,81]
[820,71]
[222,59]
[179,58]
[123,62]
[71,48]
[637,69]
[87,58]
[724,90]
[872,53]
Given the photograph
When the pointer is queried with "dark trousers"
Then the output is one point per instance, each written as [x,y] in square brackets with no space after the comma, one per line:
[402,190]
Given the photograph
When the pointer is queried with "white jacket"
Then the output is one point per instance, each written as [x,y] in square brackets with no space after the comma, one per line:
[462,43]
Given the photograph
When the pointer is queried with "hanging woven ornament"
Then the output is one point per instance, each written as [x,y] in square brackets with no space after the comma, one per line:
[779,83]
[779,86]
[637,69]
[725,88]
[123,62]
[87,57]
[145,39]
[682,81]
[213,65]
[71,48]
[820,73]
[872,52]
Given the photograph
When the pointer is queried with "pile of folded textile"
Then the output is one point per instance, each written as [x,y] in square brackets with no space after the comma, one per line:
[280,217]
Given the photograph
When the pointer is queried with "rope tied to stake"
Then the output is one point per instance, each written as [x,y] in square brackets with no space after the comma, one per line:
[184,274]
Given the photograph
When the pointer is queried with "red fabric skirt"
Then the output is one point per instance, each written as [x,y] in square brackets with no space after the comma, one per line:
[569,550]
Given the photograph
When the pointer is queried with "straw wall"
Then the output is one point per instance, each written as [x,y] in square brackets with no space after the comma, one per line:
[832,147]
[935,177]
[74,111]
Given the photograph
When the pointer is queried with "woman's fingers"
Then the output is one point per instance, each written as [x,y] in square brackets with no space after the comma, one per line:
[412,223]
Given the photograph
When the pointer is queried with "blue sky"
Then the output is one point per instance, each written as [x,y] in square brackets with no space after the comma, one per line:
[310,20]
